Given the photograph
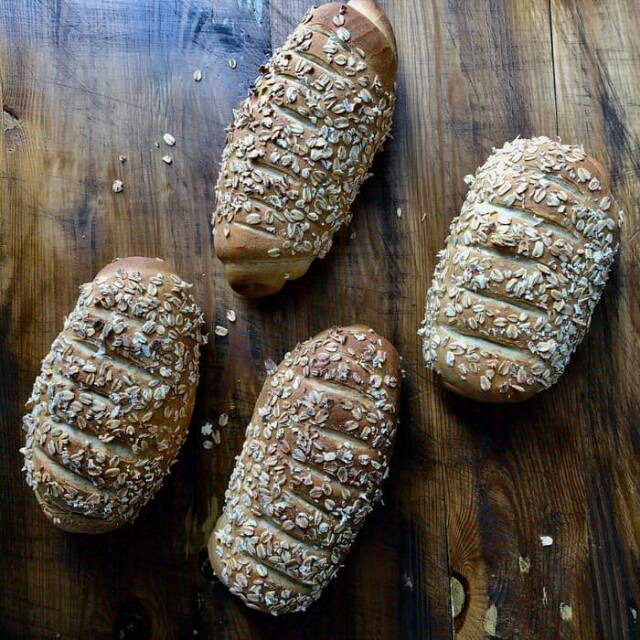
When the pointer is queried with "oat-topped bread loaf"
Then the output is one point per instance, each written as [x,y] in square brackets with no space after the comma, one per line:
[523,269]
[311,469]
[302,144]
[112,404]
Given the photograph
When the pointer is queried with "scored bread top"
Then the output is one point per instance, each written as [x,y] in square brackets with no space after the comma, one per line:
[522,271]
[311,469]
[301,145]
[111,406]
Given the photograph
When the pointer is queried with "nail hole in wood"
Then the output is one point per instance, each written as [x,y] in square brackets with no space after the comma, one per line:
[458,595]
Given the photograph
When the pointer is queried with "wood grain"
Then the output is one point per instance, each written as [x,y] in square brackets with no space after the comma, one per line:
[472,487]
[597,68]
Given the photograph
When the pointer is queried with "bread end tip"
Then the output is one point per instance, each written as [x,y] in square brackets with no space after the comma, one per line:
[372,12]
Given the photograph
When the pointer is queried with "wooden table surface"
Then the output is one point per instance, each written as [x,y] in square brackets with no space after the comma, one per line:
[473,486]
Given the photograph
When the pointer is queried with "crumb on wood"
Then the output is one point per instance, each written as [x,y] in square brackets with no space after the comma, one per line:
[566,612]
[407,581]
[211,435]
[117,186]
[524,564]
[546,541]
[491,620]
[458,596]
[9,121]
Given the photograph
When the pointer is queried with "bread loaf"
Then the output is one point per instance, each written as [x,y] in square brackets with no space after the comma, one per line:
[302,144]
[112,404]
[523,269]
[311,468]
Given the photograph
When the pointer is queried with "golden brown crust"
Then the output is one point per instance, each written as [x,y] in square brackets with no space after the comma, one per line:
[377,17]
[112,404]
[523,268]
[311,468]
[302,144]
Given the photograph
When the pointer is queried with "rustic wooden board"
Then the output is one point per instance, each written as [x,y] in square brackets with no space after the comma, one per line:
[472,486]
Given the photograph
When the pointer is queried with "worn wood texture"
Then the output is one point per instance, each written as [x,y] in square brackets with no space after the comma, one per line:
[473,487]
